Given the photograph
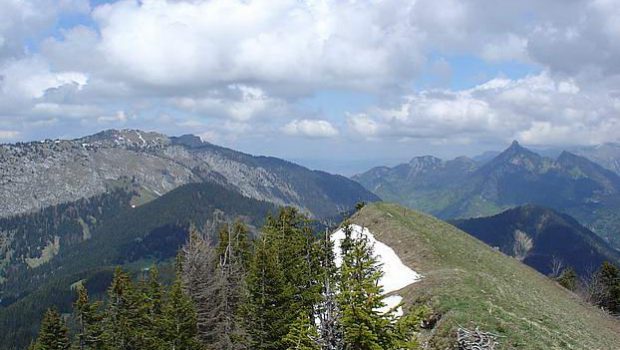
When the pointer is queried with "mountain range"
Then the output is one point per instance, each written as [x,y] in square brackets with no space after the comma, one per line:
[35,175]
[71,210]
[464,188]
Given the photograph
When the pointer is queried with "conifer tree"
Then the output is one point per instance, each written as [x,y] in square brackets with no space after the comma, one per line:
[609,276]
[179,320]
[268,309]
[302,335]
[125,323]
[89,333]
[154,293]
[53,334]
[361,297]
[284,279]
[568,279]
[229,290]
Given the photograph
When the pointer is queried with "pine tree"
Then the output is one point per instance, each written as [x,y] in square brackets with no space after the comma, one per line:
[269,298]
[88,319]
[154,293]
[609,276]
[302,335]
[179,320]
[361,297]
[126,325]
[568,279]
[284,279]
[53,334]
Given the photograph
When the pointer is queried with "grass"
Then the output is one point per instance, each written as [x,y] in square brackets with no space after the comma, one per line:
[473,285]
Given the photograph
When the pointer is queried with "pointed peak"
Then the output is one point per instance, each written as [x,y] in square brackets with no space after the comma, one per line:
[515,148]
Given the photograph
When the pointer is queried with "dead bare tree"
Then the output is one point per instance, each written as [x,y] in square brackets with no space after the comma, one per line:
[592,289]
[327,312]
[557,266]
[475,339]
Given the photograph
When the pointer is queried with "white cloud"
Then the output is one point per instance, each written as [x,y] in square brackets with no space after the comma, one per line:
[8,134]
[25,81]
[119,117]
[289,46]
[238,102]
[537,109]
[310,128]
[22,20]
[236,67]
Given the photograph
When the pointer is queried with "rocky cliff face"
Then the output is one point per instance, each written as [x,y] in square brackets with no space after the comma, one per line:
[39,174]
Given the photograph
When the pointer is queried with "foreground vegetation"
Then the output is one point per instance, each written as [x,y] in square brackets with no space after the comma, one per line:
[280,291]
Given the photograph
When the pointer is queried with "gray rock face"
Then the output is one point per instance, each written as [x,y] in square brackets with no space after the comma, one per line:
[39,174]
[607,155]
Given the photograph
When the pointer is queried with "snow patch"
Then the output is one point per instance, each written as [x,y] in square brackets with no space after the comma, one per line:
[141,138]
[396,275]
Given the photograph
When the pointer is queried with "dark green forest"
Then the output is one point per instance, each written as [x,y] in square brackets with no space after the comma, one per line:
[281,290]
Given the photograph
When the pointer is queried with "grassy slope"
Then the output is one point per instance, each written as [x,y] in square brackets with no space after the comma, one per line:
[474,285]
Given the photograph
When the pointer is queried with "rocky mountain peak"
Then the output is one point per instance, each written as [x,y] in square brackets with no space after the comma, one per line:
[126,138]
[516,156]
[188,140]
[425,162]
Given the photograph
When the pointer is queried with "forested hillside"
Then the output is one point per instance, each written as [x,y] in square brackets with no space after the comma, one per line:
[543,239]
[135,239]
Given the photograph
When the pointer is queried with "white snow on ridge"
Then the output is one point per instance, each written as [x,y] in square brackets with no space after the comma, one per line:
[396,275]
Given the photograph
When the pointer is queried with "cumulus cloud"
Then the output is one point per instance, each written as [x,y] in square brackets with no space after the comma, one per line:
[289,46]
[238,102]
[227,68]
[23,20]
[537,109]
[310,128]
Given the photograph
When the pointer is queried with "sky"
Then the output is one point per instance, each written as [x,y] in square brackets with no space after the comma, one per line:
[337,85]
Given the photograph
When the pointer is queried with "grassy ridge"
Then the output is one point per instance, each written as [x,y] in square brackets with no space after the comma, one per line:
[474,285]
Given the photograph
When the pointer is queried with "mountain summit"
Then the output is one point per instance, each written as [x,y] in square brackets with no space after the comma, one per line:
[570,183]
[39,174]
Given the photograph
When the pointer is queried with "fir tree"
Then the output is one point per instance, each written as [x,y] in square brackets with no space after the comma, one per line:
[609,276]
[302,335]
[179,320]
[126,325]
[268,309]
[361,297]
[229,290]
[154,293]
[568,279]
[284,279]
[53,334]
[89,332]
